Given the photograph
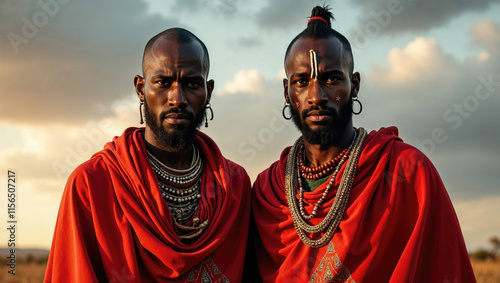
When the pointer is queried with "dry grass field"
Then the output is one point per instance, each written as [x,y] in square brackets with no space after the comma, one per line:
[25,273]
[486,272]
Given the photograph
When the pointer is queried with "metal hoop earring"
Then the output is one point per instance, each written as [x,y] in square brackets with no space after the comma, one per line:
[360,106]
[283,111]
[140,112]
[208,106]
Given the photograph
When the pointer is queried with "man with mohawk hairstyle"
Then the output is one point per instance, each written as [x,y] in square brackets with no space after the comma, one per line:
[341,204]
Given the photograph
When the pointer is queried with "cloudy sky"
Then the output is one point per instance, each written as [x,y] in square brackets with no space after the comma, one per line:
[431,68]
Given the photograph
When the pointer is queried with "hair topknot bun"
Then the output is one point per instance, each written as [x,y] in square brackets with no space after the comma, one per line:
[324,13]
[319,26]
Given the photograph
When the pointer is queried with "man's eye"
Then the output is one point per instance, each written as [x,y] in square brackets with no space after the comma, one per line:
[300,82]
[194,84]
[333,79]
[164,82]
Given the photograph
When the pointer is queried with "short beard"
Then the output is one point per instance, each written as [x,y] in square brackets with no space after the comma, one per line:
[182,136]
[328,135]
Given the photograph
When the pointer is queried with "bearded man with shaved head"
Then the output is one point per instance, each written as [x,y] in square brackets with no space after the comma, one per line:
[158,203]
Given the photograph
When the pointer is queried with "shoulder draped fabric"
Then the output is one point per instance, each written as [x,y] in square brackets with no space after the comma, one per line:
[399,224]
[114,225]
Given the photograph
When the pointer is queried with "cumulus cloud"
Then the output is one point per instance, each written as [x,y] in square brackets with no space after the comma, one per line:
[48,154]
[443,105]
[245,81]
[402,16]
[447,107]
[483,56]
[421,59]
[486,34]
[256,138]
[258,134]
[66,62]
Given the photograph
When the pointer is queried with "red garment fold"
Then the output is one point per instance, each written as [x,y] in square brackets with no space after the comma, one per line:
[399,224]
[114,225]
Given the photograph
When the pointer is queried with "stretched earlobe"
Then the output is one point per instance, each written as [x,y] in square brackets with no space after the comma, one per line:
[141,121]
[139,86]
[285,91]
[210,89]
[208,107]
[356,83]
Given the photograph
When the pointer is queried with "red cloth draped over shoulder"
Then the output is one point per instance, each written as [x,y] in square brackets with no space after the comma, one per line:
[114,225]
[399,225]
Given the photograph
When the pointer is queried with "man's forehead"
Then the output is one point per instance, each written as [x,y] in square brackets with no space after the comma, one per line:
[325,48]
[327,51]
[166,54]
[172,49]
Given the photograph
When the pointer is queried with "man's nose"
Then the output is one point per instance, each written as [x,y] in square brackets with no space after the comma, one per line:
[316,93]
[176,96]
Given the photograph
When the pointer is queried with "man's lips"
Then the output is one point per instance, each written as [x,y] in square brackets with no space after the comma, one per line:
[177,118]
[318,115]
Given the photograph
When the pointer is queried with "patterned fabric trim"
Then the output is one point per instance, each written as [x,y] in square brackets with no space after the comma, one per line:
[206,272]
[331,269]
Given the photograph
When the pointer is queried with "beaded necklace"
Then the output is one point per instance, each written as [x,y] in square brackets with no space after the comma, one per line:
[314,173]
[328,187]
[181,191]
[332,220]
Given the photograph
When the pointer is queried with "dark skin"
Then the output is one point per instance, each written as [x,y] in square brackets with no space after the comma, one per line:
[332,87]
[174,77]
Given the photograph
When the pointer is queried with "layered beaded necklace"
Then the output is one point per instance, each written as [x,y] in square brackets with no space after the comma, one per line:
[293,183]
[181,191]
[314,173]
[343,157]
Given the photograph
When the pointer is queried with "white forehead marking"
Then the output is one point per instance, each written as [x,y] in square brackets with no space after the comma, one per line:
[314,64]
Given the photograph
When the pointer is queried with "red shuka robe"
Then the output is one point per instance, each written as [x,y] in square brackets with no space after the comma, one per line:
[114,225]
[399,224]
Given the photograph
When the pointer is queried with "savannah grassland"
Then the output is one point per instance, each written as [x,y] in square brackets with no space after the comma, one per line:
[487,271]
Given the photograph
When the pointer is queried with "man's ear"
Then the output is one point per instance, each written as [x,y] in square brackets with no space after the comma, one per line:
[139,87]
[285,90]
[355,83]
[210,89]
